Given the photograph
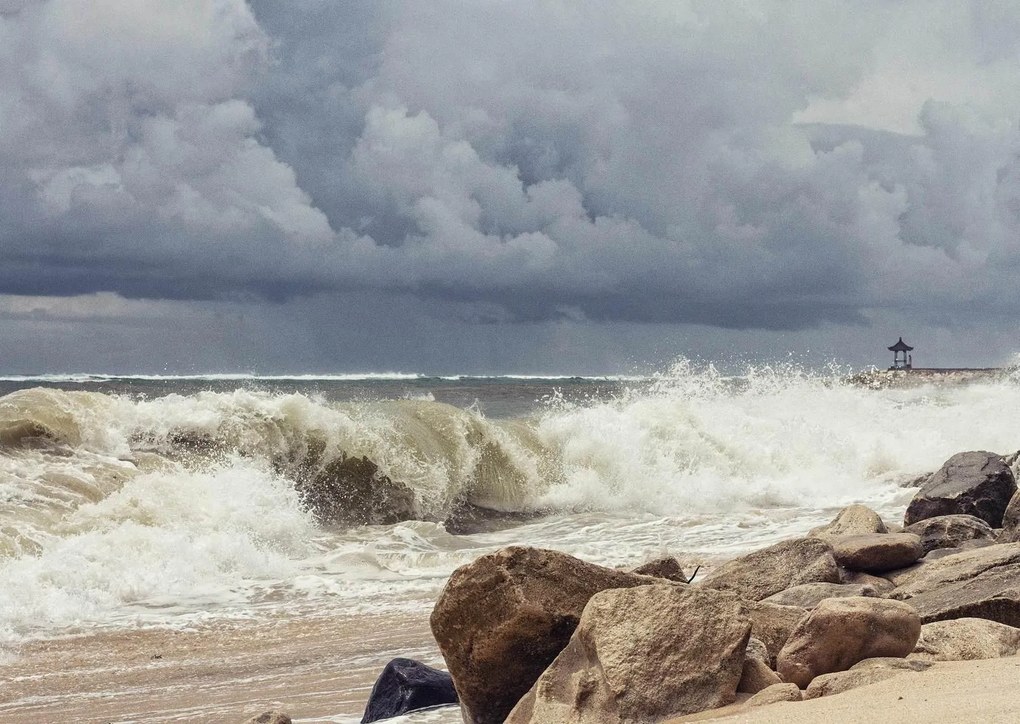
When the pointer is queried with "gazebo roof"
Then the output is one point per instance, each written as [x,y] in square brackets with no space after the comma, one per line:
[900,346]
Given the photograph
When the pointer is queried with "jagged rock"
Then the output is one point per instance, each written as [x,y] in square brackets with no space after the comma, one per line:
[1011,521]
[949,531]
[756,673]
[980,583]
[502,619]
[641,655]
[772,624]
[407,685]
[876,552]
[881,584]
[809,595]
[966,639]
[970,483]
[770,570]
[668,568]
[352,491]
[852,520]
[839,632]
[775,694]
[270,717]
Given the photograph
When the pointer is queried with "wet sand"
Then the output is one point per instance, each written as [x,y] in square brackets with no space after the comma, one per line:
[316,668]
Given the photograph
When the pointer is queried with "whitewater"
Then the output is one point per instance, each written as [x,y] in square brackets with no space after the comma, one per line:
[146,503]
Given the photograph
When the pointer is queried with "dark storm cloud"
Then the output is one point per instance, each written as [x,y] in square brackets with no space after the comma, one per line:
[768,165]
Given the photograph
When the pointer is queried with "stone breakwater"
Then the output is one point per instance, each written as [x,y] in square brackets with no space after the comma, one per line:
[878,379]
[532,635]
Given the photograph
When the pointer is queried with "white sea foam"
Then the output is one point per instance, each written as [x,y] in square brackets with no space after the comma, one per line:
[116,508]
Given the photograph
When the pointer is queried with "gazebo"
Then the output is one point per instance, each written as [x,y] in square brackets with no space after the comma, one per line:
[901,360]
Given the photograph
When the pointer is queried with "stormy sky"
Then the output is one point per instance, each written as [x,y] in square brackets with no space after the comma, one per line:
[505,186]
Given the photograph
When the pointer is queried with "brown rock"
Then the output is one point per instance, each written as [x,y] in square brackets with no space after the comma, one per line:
[980,583]
[852,520]
[842,631]
[876,552]
[966,639]
[809,595]
[881,584]
[668,568]
[1011,521]
[972,483]
[866,672]
[756,674]
[641,655]
[775,694]
[772,624]
[502,619]
[892,662]
[949,531]
[770,570]
[270,717]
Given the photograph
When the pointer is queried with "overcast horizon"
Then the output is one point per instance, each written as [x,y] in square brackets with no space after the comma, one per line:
[495,187]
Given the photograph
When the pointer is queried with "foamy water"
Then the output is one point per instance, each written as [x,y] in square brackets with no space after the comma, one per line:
[123,510]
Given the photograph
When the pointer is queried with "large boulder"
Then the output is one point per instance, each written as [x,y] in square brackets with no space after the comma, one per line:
[668,568]
[966,639]
[641,655]
[772,624]
[502,619]
[843,631]
[770,570]
[353,491]
[407,685]
[852,520]
[809,595]
[970,483]
[949,531]
[979,583]
[876,552]
[869,671]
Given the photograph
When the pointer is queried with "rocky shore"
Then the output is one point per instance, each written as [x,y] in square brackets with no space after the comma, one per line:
[533,636]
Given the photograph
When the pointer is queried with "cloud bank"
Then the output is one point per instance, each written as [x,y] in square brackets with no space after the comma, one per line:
[769,165]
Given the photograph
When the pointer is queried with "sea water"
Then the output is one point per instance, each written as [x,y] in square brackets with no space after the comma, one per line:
[135,503]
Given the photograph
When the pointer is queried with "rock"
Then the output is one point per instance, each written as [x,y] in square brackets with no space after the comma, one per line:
[809,595]
[1011,521]
[770,570]
[775,694]
[881,584]
[966,639]
[407,685]
[641,655]
[852,520]
[869,671]
[876,552]
[772,624]
[969,483]
[352,491]
[756,674]
[892,662]
[842,631]
[668,568]
[502,619]
[980,583]
[967,545]
[270,717]
[949,531]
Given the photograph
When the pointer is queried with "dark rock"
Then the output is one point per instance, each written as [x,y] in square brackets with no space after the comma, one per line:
[468,519]
[969,483]
[876,552]
[949,531]
[1011,521]
[770,570]
[352,491]
[668,568]
[502,619]
[408,685]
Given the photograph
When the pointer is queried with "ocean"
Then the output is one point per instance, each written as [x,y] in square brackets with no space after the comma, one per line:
[157,562]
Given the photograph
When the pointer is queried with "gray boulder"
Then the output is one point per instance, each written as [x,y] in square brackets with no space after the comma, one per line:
[502,619]
[876,552]
[843,631]
[970,483]
[642,655]
[770,570]
[949,531]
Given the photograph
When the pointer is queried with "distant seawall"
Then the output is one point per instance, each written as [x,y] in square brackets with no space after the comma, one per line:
[876,378]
